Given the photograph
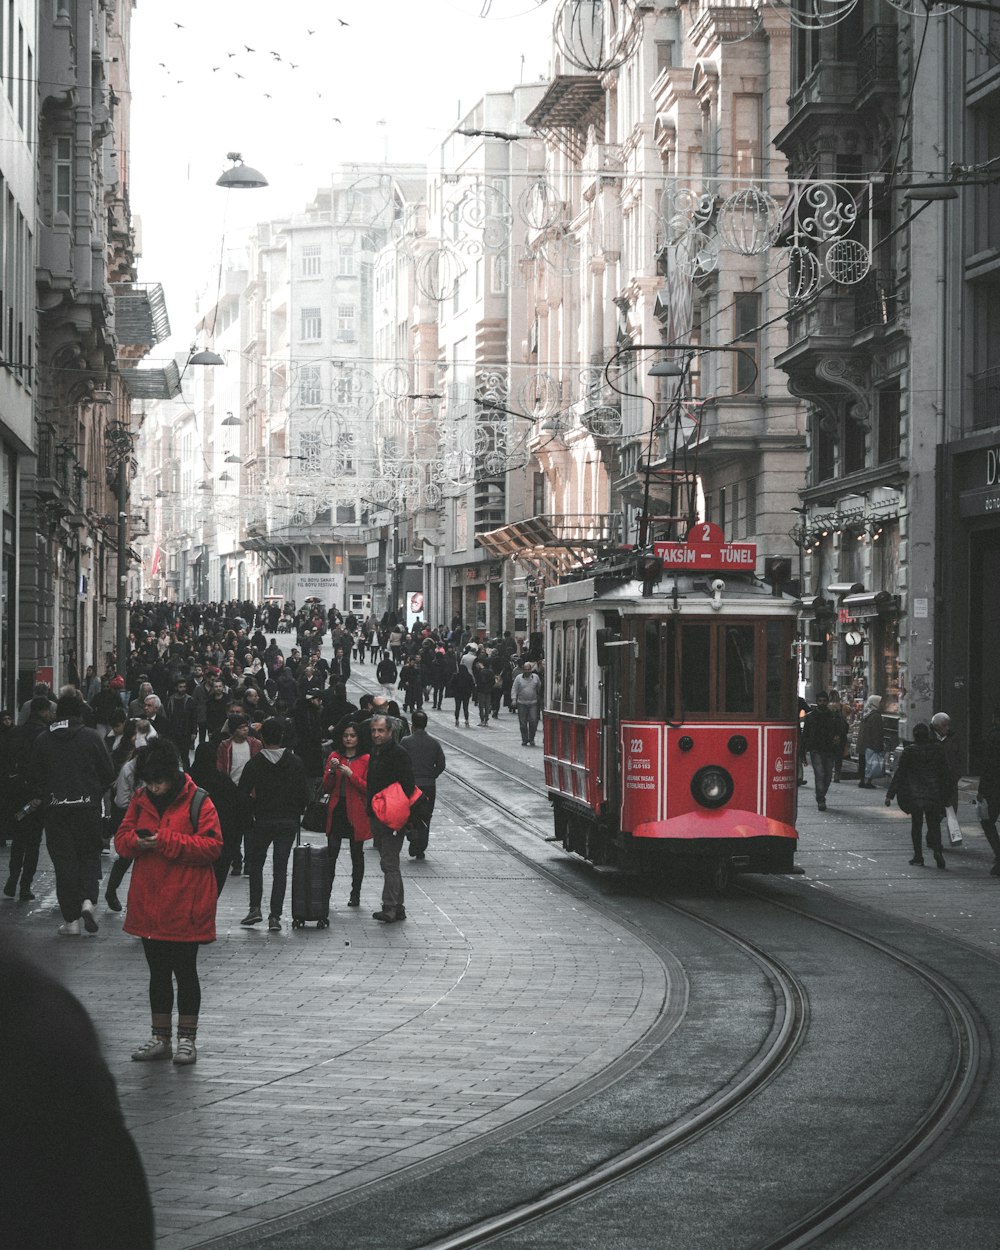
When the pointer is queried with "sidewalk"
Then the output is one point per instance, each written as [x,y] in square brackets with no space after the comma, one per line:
[329,1058]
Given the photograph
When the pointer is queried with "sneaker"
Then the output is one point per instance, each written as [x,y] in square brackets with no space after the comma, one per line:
[419,855]
[237,868]
[354,900]
[253,916]
[917,862]
[386,917]
[88,917]
[273,924]
[155,1048]
[112,900]
[69,928]
[186,1052]
[10,889]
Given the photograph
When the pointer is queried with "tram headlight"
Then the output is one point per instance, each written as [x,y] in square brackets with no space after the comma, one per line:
[712,786]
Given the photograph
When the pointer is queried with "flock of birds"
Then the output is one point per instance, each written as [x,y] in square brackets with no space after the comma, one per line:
[238,62]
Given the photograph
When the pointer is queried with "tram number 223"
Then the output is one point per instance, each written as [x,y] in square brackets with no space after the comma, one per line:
[635,746]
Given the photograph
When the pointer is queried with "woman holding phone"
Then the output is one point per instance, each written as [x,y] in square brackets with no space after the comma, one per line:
[171,832]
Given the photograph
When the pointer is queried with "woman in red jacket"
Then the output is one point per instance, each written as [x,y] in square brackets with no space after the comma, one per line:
[345,779]
[172,898]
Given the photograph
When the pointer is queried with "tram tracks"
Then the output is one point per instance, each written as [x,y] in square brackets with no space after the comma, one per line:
[942,1116]
[944,1109]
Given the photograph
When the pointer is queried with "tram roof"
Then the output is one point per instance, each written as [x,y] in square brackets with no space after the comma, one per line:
[693,594]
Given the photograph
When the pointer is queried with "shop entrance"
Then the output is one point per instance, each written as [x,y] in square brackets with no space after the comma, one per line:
[984,655]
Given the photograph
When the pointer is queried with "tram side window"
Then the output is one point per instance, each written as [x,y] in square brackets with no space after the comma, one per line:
[556,651]
[778,700]
[582,668]
[740,667]
[695,668]
[651,701]
[569,680]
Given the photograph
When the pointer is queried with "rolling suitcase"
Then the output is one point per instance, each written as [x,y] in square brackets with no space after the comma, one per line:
[310,871]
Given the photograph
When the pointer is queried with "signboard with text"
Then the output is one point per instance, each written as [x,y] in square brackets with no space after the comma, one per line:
[706,550]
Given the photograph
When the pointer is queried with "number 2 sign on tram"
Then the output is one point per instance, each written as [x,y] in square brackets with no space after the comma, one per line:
[706,549]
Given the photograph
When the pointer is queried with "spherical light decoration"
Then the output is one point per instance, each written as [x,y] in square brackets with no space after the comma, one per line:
[749,221]
[796,272]
[603,422]
[438,272]
[597,35]
[540,206]
[848,261]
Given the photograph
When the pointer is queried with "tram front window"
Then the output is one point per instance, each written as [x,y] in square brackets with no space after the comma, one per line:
[739,677]
[695,664]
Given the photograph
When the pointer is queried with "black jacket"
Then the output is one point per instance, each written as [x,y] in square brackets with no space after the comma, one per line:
[387,764]
[279,788]
[69,765]
[824,730]
[922,778]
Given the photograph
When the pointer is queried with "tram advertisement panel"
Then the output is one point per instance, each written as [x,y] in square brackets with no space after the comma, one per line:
[781,775]
[644,794]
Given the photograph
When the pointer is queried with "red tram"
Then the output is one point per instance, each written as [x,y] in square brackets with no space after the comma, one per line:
[670,721]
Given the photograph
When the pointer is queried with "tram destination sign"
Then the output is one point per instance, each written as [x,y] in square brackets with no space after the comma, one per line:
[705,549]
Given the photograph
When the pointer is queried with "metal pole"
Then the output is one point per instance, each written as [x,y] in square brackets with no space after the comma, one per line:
[121,630]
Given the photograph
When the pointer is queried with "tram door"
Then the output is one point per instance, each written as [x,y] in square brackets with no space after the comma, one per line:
[617,668]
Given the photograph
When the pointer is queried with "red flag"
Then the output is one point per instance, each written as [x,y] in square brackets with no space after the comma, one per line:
[156,562]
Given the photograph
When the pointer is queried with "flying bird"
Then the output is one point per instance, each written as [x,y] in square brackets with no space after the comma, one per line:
[293,65]
[248,48]
[342,22]
[178,25]
[237,73]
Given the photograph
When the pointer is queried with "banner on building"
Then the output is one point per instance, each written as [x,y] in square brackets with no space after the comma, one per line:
[327,588]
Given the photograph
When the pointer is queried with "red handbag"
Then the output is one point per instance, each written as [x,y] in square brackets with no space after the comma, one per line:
[392,805]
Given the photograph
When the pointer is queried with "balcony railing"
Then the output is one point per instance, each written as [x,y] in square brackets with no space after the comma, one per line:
[877,57]
[986,399]
[875,300]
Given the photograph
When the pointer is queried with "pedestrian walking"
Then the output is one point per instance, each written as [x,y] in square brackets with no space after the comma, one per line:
[26,825]
[988,792]
[68,772]
[231,757]
[389,764]
[171,831]
[277,788]
[921,781]
[823,740]
[944,733]
[482,675]
[526,694]
[462,687]
[839,708]
[871,743]
[345,779]
[428,759]
[386,674]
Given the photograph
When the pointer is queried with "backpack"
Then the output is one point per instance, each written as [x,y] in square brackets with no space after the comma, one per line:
[194,811]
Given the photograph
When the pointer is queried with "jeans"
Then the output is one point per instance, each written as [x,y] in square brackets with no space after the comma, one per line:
[484,700]
[73,839]
[389,844]
[823,763]
[933,815]
[25,842]
[418,829]
[462,705]
[166,961]
[357,862]
[527,716]
[281,832]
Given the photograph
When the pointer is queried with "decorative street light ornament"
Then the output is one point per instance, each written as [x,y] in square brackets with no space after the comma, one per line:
[603,422]
[697,253]
[796,271]
[437,273]
[597,35]
[813,14]
[540,206]
[749,221]
[848,261]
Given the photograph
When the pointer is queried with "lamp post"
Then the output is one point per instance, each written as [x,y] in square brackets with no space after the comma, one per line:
[120,445]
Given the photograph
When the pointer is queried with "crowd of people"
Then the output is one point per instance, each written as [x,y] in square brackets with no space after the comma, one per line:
[198,763]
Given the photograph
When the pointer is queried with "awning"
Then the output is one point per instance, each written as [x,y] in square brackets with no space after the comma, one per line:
[554,544]
[140,314]
[881,603]
[162,383]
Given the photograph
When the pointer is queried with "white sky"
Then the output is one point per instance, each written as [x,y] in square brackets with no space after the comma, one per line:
[397,76]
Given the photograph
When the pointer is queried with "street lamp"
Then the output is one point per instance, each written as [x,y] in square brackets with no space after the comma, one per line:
[240,177]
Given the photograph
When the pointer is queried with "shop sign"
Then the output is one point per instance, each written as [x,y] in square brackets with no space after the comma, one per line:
[984,499]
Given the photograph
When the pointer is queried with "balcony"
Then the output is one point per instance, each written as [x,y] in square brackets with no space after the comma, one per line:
[877,60]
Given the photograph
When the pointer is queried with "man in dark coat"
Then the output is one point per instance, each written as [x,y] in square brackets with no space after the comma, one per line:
[68,772]
[823,735]
[388,763]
